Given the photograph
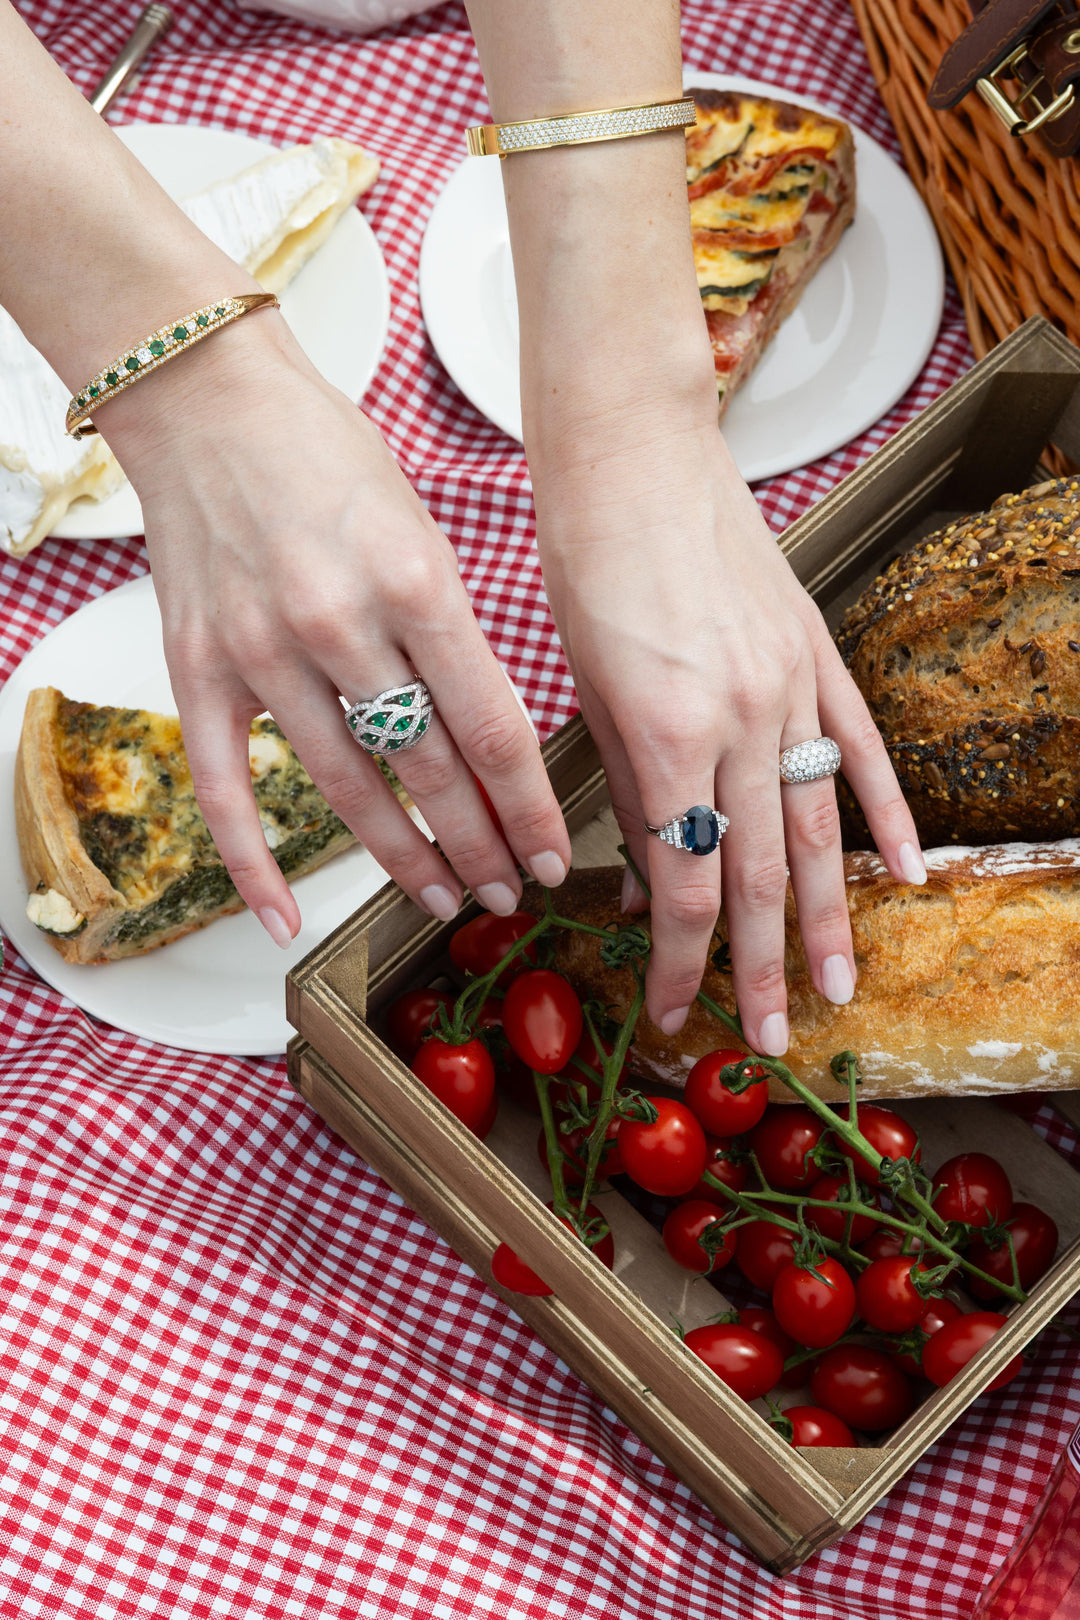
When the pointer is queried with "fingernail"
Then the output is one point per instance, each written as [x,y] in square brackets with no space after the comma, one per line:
[439,901]
[774,1035]
[836,980]
[633,895]
[911,863]
[276,927]
[672,1022]
[547,868]
[497,897]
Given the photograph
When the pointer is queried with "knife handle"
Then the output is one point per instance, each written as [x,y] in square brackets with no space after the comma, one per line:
[148,30]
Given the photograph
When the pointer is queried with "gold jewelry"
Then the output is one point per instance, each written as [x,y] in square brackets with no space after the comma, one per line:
[574,129]
[155,350]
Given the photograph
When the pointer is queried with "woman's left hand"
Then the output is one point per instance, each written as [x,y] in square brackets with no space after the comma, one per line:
[698,657]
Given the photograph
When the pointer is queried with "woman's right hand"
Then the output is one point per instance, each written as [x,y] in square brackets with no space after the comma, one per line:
[293,562]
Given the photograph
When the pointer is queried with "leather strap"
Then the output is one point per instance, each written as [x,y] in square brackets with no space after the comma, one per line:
[995,30]
[1051,31]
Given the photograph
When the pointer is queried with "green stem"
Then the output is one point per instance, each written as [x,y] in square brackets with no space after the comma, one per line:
[613,1066]
[542,1082]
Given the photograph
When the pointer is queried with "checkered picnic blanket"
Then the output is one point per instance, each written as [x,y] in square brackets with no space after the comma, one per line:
[240,1378]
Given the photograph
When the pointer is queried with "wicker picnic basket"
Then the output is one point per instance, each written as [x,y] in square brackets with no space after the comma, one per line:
[1007,210]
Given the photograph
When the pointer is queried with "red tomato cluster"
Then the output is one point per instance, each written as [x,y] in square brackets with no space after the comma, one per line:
[877,1328]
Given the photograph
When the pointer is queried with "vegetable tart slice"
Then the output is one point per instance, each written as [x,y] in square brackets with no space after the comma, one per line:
[116,854]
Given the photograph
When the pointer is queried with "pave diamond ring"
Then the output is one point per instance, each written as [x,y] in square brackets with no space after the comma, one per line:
[698,830]
[393,721]
[810,761]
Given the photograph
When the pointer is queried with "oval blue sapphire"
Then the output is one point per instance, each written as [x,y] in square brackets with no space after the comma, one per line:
[700,830]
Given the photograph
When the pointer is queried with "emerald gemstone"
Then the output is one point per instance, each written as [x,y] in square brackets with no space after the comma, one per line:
[402,725]
[421,727]
[180,333]
[94,392]
[219,310]
[202,320]
[391,746]
[369,737]
[378,720]
[111,379]
[157,347]
[80,400]
[132,362]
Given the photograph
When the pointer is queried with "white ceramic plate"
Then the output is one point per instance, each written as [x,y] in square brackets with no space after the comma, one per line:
[221,989]
[338,306]
[852,347]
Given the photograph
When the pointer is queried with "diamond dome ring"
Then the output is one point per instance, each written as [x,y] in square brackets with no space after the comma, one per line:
[810,761]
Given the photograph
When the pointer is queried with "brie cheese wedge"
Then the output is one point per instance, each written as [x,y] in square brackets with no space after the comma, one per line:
[270,218]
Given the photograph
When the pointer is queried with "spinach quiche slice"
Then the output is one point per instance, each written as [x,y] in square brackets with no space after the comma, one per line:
[116,854]
[771,189]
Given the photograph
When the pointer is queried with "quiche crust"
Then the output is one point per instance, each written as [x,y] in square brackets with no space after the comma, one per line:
[117,857]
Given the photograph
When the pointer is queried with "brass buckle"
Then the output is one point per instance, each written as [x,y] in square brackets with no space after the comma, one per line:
[1008,111]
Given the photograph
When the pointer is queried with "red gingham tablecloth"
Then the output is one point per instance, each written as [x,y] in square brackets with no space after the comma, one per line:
[240,1378]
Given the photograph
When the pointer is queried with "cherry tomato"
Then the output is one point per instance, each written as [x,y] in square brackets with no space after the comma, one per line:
[575,1148]
[723,1112]
[481,943]
[833,1223]
[936,1314]
[684,1227]
[667,1157]
[863,1387]
[973,1188]
[747,1362]
[484,1126]
[764,1250]
[813,1426]
[886,1296]
[511,1272]
[734,1173]
[759,1319]
[814,1306]
[953,1346]
[542,1019]
[463,1077]
[1035,1240]
[893,1137]
[887,1241]
[411,1016]
[783,1141]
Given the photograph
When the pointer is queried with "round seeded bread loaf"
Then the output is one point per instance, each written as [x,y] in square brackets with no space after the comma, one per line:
[967,651]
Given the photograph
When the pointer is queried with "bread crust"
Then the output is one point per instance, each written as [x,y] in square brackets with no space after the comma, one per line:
[967,651]
[967,986]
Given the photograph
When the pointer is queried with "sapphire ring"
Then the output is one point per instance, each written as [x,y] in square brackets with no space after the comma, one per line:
[393,721]
[698,830]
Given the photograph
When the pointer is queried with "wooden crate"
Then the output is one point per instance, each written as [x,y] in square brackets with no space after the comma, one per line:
[984,436]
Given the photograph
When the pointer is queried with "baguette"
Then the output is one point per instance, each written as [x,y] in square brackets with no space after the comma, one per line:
[967,986]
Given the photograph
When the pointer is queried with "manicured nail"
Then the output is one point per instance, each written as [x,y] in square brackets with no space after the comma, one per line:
[774,1035]
[672,1022]
[633,895]
[836,980]
[547,868]
[911,863]
[276,927]
[439,901]
[497,897]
